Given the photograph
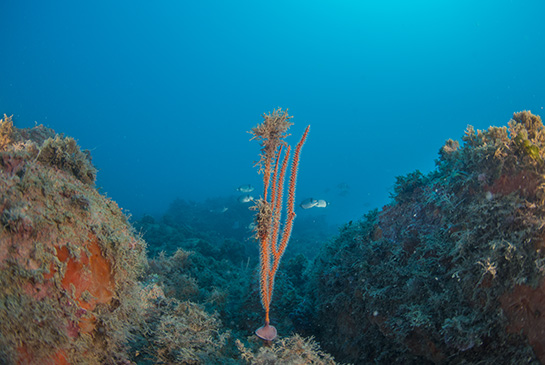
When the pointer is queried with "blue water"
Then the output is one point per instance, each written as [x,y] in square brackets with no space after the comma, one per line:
[163,93]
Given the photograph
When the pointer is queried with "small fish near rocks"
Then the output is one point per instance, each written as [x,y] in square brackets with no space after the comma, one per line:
[245,188]
[313,203]
[245,199]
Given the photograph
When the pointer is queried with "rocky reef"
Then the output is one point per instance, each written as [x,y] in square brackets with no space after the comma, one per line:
[451,271]
[68,257]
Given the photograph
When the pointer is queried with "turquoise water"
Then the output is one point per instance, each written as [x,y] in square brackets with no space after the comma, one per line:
[164,93]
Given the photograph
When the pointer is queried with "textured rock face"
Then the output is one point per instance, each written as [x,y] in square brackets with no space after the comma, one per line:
[453,269]
[68,257]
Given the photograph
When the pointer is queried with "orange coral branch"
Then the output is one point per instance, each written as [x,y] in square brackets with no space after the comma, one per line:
[277,202]
[264,260]
[271,133]
[277,199]
[291,193]
[286,233]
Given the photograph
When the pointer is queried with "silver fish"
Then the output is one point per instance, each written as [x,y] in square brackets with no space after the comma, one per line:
[245,188]
[321,203]
[308,203]
[245,199]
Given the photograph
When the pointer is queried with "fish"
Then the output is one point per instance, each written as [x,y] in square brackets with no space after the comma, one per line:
[321,203]
[313,203]
[245,188]
[245,199]
[308,203]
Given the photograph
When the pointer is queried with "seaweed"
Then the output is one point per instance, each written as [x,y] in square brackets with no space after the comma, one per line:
[290,350]
[64,153]
[6,130]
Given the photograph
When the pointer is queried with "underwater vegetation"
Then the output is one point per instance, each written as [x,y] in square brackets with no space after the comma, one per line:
[192,225]
[177,331]
[452,270]
[222,274]
[289,350]
[199,310]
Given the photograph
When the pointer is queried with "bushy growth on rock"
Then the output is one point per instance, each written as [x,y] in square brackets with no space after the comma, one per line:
[290,350]
[69,260]
[452,270]
[179,332]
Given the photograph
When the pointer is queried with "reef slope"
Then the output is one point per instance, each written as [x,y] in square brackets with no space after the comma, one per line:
[451,271]
[68,257]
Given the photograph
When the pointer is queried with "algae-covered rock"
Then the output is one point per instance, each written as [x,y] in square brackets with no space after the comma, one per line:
[452,271]
[68,257]
[292,350]
[179,332]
